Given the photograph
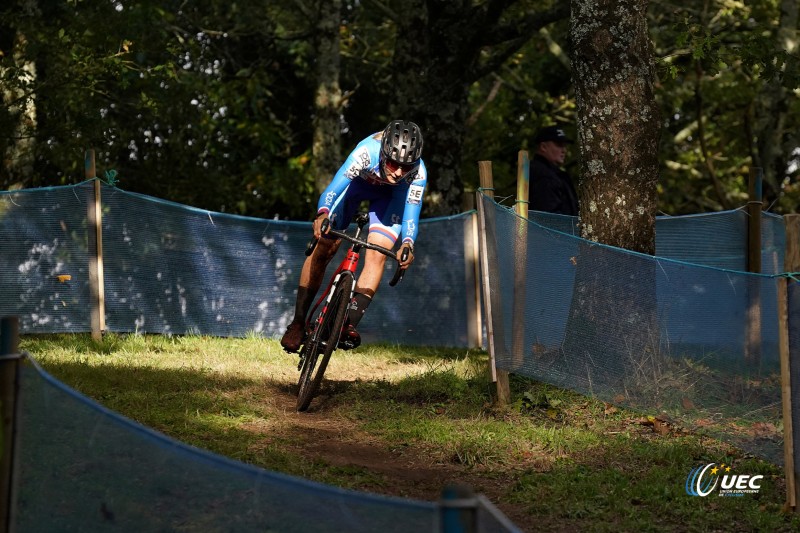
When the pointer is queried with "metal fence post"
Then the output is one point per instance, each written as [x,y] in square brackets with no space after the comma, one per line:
[459,510]
[9,388]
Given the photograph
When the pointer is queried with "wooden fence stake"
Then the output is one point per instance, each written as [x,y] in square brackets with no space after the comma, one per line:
[520,258]
[95,234]
[791,263]
[490,299]
[472,274]
[752,346]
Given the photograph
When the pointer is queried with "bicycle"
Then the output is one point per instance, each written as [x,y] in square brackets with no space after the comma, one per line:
[324,331]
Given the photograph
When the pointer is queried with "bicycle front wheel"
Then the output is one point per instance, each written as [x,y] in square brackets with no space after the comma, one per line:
[323,340]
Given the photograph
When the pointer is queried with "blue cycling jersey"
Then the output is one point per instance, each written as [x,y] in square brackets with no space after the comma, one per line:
[362,166]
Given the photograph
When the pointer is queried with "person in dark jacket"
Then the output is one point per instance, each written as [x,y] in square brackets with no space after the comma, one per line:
[551,188]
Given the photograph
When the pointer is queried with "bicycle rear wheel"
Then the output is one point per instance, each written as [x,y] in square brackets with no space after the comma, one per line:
[323,341]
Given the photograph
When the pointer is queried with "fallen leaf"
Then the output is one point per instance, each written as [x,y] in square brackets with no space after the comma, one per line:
[687,403]
[764,429]
[538,349]
[661,427]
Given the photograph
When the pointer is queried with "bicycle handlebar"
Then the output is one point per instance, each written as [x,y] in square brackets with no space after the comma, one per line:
[398,275]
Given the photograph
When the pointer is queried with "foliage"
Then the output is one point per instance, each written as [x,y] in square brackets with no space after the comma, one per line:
[200,103]
[719,63]
[210,103]
[511,104]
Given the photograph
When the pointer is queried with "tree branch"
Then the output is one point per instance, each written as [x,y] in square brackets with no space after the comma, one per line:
[522,29]
[509,38]
[712,172]
[386,11]
[498,82]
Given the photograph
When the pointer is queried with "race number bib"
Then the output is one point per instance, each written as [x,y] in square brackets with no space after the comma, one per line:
[415,194]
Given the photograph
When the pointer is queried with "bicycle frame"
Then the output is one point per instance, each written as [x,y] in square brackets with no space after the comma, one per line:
[324,330]
[349,263]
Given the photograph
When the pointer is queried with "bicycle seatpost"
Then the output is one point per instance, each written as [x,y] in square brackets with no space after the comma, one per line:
[361,220]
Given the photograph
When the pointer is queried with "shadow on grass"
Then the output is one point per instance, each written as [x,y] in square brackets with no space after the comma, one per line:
[84,468]
[230,416]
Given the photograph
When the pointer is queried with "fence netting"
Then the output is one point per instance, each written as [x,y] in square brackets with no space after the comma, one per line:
[43,235]
[81,467]
[687,333]
[712,239]
[696,345]
[173,269]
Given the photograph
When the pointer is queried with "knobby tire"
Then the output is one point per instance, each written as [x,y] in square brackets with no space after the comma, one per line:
[323,341]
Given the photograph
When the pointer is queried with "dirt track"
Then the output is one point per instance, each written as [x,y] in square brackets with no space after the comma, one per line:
[409,471]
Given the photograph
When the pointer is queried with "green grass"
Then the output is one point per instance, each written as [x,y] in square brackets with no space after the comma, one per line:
[555,460]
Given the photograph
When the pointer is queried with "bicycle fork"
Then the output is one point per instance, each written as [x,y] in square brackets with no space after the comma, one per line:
[348,265]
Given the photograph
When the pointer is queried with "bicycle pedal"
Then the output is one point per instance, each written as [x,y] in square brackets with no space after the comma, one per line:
[349,344]
[350,339]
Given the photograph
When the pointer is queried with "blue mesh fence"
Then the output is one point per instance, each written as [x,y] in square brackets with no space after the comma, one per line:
[697,317]
[43,235]
[81,467]
[697,344]
[174,269]
[710,239]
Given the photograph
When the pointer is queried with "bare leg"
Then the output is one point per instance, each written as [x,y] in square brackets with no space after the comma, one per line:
[368,281]
[312,273]
[374,263]
[310,280]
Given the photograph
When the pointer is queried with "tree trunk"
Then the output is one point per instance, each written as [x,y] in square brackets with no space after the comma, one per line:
[441,48]
[618,122]
[772,106]
[430,69]
[326,148]
[18,157]
[612,326]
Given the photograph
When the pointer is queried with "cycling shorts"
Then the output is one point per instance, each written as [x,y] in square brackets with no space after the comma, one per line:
[386,206]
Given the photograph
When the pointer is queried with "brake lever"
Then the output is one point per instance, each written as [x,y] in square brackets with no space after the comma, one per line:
[313,242]
[311,245]
[398,275]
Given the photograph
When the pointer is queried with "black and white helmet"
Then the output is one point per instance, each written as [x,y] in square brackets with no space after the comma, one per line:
[401,147]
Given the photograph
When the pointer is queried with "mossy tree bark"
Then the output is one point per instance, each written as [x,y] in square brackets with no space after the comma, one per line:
[612,327]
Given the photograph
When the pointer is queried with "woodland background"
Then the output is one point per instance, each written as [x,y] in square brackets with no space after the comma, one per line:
[249,107]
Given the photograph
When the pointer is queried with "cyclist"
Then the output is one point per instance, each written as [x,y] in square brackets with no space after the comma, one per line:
[386,170]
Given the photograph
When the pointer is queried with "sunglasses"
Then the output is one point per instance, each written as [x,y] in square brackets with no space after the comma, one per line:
[393,166]
[407,172]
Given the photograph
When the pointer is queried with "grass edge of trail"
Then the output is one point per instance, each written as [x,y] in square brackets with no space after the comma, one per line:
[562,457]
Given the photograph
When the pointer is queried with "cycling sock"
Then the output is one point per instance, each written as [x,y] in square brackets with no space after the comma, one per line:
[304,299]
[358,306]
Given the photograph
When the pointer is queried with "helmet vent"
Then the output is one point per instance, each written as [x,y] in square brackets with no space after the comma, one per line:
[402,142]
